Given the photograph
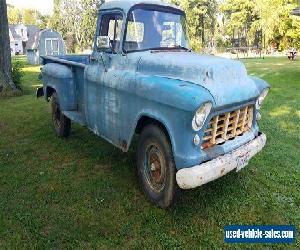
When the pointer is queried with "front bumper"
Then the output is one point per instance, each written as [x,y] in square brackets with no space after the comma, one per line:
[199,175]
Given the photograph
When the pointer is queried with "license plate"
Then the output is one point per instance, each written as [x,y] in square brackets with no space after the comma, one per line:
[242,161]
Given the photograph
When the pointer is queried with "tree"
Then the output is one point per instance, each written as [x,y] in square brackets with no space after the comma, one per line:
[43,21]
[73,11]
[278,25]
[201,20]
[14,15]
[89,21]
[291,36]
[56,17]
[271,17]
[5,54]
[30,16]
[76,20]
[239,19]
[27,17]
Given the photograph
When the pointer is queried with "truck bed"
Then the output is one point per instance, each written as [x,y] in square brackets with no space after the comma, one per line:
[65,74]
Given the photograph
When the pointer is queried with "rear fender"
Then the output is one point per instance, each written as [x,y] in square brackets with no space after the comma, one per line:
[59,78]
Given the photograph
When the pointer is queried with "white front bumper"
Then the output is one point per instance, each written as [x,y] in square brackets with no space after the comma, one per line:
[199,175]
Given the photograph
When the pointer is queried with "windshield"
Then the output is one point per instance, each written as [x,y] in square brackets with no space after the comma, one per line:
[152,29]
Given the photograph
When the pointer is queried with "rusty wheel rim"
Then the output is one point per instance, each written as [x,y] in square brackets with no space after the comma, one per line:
[154,168]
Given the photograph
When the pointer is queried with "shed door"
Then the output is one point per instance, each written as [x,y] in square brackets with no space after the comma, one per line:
[52,46]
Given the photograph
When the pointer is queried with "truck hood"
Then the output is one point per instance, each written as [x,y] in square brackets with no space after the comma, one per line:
[225,79]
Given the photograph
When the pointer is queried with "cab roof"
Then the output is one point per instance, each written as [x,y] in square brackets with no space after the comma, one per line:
[126,5]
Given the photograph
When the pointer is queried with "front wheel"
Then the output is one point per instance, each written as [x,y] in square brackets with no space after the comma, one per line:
[61,123]
[156,166]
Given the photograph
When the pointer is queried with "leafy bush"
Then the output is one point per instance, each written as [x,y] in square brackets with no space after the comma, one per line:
[17,74]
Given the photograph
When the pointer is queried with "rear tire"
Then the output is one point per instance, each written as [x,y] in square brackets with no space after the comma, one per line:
[156,166]
[61,123]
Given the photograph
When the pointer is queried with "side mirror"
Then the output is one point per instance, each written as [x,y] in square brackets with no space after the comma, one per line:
[103,43]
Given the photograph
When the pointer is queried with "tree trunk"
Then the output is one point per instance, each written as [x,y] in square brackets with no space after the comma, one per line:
[5,54]
[202,34]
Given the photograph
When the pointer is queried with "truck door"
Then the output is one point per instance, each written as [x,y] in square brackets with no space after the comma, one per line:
[101,77]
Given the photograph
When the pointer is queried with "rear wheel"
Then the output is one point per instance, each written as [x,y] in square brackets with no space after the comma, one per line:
[61,123]
[156,167]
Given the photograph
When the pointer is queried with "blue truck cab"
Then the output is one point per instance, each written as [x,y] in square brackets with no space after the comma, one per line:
[196,115]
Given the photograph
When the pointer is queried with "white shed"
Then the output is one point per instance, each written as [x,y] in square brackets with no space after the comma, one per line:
[45,42]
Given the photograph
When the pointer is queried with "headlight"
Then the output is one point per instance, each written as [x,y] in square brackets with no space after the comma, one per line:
[261,98]
[201,115]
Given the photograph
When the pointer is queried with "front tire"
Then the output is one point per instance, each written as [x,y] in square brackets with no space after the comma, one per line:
[156,166]
[61,123]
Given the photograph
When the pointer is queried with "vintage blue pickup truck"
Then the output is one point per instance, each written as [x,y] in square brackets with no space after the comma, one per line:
[196,115]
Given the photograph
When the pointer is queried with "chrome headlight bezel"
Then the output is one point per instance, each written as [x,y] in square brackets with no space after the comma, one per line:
[261,98]
[201,115]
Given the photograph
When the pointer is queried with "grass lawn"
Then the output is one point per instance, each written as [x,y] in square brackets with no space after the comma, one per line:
[82,192]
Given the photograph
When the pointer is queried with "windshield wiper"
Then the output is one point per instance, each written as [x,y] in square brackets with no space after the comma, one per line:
[181,47]
[171,48]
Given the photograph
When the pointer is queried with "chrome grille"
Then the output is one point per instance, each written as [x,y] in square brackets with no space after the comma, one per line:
[227,126]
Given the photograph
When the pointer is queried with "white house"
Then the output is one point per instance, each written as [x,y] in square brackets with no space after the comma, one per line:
[21,30]
[19,36]
[12,43]
[17,40]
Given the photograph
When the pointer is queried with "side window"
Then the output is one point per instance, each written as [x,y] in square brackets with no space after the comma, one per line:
[111,26]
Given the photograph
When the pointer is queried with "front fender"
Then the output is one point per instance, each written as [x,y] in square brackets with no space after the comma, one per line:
[178,124]
[173,103]
[260,83]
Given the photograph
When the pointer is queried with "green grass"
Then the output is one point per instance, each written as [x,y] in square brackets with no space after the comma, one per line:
[82,192]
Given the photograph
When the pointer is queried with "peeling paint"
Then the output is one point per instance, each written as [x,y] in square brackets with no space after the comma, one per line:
[110,93]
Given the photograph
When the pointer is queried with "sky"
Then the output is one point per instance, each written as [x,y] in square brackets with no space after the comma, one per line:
[44,6]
